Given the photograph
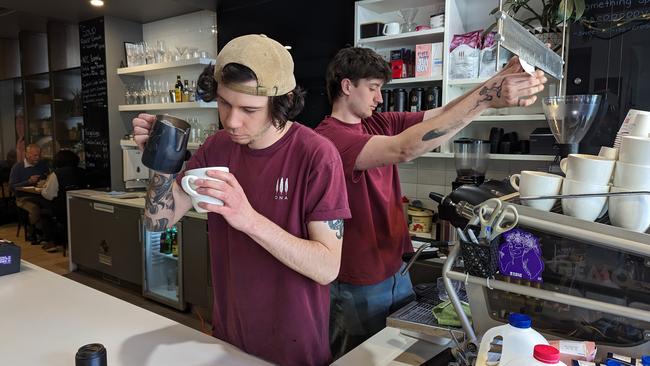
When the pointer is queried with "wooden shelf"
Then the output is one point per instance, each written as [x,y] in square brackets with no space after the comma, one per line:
[406,81]
[131,143]
[519,157]
[512,117]
[166,106]
[402,39]
[142,69]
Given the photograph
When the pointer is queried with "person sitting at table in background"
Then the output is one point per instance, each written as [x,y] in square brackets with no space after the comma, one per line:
[67,175]
[275,242]
[370,286]
[28,173]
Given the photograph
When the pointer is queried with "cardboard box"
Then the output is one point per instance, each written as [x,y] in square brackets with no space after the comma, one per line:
[428,60]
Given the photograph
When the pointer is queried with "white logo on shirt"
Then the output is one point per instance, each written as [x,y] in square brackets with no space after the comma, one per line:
[282,188]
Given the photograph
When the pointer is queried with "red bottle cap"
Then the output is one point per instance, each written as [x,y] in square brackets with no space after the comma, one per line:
[546,354]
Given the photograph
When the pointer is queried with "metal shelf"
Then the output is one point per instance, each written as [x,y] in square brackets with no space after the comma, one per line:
[166,106]
[142,69]
[402,39]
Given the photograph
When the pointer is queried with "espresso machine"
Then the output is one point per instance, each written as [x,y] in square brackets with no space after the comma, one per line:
[134,173]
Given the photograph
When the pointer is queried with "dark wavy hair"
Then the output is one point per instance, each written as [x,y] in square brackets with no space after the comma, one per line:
[66,158]
[283,107]
[354,63]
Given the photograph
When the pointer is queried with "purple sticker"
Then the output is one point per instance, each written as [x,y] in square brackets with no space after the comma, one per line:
[520,256]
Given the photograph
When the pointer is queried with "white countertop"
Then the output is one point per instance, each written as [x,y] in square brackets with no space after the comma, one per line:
[47,318]
[104,197]
[390,348]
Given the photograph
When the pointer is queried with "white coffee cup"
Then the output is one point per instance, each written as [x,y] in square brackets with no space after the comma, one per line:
[610,153]
[390,29]
[532,183]
[635,150]
[190,188]
[437,21]
[631,176]
[585,208]
[640,125]
[629,212]
[588,168]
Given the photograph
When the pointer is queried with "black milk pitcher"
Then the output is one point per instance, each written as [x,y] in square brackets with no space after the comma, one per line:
[166,149]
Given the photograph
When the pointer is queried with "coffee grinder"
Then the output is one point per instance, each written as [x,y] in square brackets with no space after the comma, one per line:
[471,160]
[569,118]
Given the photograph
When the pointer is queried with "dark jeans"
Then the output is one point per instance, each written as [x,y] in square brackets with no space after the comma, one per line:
[357,312]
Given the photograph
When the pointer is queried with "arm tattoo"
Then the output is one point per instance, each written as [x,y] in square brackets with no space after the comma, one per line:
[435,133]
[487,93]
[336,225]
[159,197]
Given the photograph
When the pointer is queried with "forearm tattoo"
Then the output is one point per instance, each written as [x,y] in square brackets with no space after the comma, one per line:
[488,94]
[159,198]
[439,132]
[336,225]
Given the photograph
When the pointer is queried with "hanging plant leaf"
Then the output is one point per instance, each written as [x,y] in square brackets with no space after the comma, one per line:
[580,8]
[560,11]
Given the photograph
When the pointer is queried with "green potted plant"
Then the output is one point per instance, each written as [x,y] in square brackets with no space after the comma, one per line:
[543,17]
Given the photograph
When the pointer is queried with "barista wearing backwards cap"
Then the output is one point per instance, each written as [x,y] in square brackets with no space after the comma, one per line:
[370,286]
[276,242]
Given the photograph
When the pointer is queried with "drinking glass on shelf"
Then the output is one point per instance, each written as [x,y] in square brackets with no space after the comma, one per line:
[161,50]
[181,52]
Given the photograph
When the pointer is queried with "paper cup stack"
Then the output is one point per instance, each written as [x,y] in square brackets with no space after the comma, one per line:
[632,173]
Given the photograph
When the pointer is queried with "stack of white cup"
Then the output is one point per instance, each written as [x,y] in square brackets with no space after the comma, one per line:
[586,174]
[632,173]
[532,183]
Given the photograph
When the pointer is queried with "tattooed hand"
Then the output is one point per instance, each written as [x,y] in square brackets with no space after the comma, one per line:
[159,202]
[141,127]
[511,90]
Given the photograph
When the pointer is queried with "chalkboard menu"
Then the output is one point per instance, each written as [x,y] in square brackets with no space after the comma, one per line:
[95,101]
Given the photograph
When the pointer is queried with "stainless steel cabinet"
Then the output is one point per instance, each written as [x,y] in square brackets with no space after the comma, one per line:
[197,281]
[106,238]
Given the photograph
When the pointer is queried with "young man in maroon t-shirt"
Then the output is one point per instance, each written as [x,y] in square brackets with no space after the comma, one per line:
[369,285]
[275,244]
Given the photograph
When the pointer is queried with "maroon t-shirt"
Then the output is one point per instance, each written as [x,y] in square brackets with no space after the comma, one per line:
[260,305]
[377,235]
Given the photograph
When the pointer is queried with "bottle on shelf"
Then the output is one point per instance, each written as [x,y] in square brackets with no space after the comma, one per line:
[193,92]
[175,242]
[168,242]
[178,90]
[163,242]
[186,92]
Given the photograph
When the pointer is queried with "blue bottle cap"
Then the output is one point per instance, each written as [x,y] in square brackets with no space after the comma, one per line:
[521,321]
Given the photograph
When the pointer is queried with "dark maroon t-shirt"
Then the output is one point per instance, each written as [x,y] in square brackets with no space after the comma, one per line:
[260,305]
[377,235]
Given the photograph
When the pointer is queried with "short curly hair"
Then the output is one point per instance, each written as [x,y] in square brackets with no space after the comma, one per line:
[354,63]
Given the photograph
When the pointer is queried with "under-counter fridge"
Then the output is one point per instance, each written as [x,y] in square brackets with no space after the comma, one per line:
[162,277]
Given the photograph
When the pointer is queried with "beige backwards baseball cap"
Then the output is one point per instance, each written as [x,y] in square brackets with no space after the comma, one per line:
[268,59]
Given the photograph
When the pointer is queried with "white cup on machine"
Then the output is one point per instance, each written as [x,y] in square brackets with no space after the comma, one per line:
[632,176]
[635,150]
[640,125]
[585,208]
[610,153]
[629,212]
[190,188]
[588,168]
[532,183]
[391,28]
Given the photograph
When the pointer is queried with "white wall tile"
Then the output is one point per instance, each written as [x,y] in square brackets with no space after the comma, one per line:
[408,175]
[427,176]
[423,190]
[409,189]
[431,163]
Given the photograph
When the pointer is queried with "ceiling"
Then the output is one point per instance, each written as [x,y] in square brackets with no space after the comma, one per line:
[33,15]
